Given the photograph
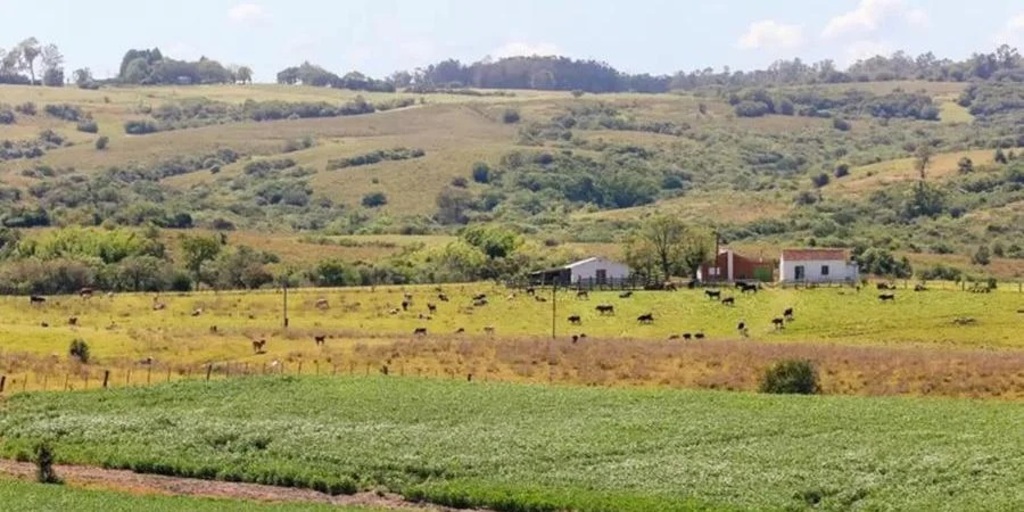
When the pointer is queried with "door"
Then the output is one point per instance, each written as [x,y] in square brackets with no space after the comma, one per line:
[800,273]
[601,275]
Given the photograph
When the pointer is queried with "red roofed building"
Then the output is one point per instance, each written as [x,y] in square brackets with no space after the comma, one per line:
[817,266]
[730,266]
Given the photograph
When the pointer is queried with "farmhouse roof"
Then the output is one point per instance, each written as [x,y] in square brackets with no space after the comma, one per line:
[814,254]
[581,262]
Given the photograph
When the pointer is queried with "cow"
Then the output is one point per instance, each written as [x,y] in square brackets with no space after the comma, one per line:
[779,323]
[481,296]
[698,336]
[582,295]
[672,337]
[920,288]
[320,340]
[197,311]
[538,298]
[575,320]
[489,330]
[885,286]
[442,297]
[788,314]
[742,329]
[36,299]
[160,306]
[258,346]
[713,294]
[646,318]
[460,330]
[420,331]
[73,321]
[729,301]
[625,295]
[605,309]
[531,291]
[480,303]
[432,308]
[748,288]
[85,293]
[405,305]
[322,304]
[687,336]
[887,297]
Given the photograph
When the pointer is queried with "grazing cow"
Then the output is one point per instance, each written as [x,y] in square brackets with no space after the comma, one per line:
[673,337]
[258,346]
[44,324]
[408,297]
[85,293]
[36,299]
[405,305]
[788,314]
[489,330]
[197,311]
[575,320]
[432,308]
[394,311]
[319,340]
[442,297]
[698,336]
[742,329]
[625,295]
[729,301]
[575,338]
[605,309]
[73,321]
[538,298]
[749,288]
[213,329]
[420,331]
[460,330]
[687,336]
[779,323]
[713,294]
[887,297]
[147,361]
[582,295]
[480,303]
[531,291]
[671,287]
[920,288]
[646,318]
[482,296]
[160,306]
[322,304]
[885,286]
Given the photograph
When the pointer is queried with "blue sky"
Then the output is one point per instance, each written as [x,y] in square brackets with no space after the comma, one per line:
[381,36]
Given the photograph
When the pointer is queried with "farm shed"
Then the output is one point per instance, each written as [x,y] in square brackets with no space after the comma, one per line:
[596,270]
[729,266]
[817,266]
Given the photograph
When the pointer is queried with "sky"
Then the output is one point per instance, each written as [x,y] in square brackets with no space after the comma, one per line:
[378,37]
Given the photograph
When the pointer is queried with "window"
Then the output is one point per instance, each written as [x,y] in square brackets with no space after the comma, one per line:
[824,270]
[800,273]
[713,271]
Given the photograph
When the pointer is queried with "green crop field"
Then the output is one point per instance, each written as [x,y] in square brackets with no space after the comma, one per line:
[515,447]
[18,496]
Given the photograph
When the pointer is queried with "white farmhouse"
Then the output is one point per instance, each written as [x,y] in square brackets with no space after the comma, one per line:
[595,271]
[817,266]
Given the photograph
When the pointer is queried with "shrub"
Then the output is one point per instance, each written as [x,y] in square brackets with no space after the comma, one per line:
[140,127]
[481,173]
[28,108]
[841,124]
[44,465]
[510,116]
[6,115]
[51,137]
[842,170]
[752,109]
[88,126]
[79,350]
[375,199]
[820,180]
[576,93]
[792,376]
[101,143]
[460,182]
[65,111]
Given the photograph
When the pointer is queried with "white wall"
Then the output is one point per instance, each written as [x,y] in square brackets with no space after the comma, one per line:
[589,270]
[838,270]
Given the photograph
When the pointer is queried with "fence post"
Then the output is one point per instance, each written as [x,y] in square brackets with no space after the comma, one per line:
[299,371]
[149,374]
[24,383]
[106,378]
[128,378]
[67,377]
[209,370]
[46,378]
[3,382]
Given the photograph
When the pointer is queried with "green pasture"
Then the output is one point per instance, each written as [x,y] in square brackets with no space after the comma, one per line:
[519,447]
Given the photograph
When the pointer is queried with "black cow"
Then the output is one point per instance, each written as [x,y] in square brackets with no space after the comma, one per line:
[625,295]
[788,314]
[420,331]
[646,318]
[729,301]
[779,323]
[713,294]
[605,309]
[575,320]
[887,297]
[582,295]
[35,299]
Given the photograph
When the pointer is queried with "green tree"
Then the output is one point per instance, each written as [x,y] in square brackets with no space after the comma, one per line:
[29,50]
[494,241]
[1000,157]
[197,250]
[82,76]
[922,159]
[375,199]
[982,256]
[244,74]
[965,165]
[670,245]
[453,204]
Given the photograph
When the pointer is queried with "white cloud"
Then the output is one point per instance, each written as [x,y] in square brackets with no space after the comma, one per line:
[1012,33]
[520,48]
[870,14]
[247,13]
[863,50]
[771,34]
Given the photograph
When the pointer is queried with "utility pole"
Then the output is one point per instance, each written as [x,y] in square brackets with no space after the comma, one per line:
[554,307]
[284,285]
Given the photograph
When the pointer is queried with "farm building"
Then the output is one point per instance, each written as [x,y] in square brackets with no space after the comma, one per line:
[817,266]
[729,266]
[596,270]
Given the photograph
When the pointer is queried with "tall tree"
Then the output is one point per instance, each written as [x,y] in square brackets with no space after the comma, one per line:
[922,159]
[667,243]
[29,50]
[82,76]
[197,251]
[244,74]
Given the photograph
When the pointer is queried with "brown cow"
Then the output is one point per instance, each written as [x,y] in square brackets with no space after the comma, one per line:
[258,346]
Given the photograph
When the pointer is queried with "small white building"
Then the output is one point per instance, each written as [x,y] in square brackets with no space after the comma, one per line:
[597,269]
[817,266]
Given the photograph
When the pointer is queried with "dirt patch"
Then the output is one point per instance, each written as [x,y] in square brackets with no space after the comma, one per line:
[135,483]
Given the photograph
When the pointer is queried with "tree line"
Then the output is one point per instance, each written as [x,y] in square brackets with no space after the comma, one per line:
[30,63]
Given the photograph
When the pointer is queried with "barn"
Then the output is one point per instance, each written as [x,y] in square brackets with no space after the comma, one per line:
[730,266]
[594,271]
[817,266]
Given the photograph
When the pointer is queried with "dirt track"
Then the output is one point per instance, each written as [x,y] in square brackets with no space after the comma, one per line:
[127,481]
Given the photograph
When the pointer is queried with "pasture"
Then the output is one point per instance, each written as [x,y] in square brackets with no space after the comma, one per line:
[936,342]
[515,447]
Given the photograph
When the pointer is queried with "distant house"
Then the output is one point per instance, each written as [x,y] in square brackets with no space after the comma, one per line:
[596,270]
[817,266]
[730,266]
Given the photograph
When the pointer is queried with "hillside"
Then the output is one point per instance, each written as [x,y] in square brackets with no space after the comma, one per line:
[573,168]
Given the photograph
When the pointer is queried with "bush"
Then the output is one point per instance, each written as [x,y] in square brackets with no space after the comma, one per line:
[88,126]
[6,115]
[79,350]
[44,465]
[65,111]
[510,116]
[481,173]
[841,124]
[140,127]
[375,199]
[576,93]
[820,180]
[792,376]
[101,143]
[460,182]
[752,109]
[28,108]
[842,170]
